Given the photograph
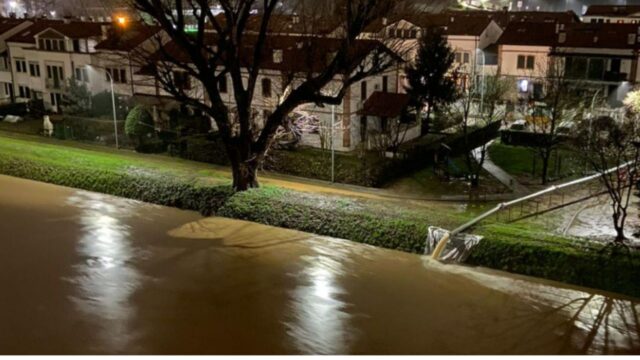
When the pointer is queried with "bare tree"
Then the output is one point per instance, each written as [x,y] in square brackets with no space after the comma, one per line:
[611,148]
[478,106]
[237,44]
[560,103]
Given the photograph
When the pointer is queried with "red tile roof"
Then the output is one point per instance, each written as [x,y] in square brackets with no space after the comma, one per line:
[73,29]
[529,33]
[299,54]
[134,35]
[384,104]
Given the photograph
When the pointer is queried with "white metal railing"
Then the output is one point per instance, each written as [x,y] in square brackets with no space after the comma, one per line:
[505,205]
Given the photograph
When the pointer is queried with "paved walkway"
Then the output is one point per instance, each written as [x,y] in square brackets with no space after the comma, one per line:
[501,175]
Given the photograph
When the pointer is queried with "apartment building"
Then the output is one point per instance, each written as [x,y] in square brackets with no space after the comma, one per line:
[617,14]
[48,54]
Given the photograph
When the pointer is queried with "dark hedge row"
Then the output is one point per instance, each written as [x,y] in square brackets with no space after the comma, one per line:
[531,253]
[152,189]
[328,216]
[310,163]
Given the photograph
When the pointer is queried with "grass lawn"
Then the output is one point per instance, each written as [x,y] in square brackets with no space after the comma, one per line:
[519,162]
[426,183]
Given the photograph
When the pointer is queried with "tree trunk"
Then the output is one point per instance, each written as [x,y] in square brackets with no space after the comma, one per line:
[545,168]
[245,175]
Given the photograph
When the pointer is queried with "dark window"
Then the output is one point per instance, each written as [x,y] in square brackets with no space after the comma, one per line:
[363,90]
[266,88]
[181,80]
[76,45]
[34,69]
[41,44]
[123,76]
[531,62]
[222,84]
[385,83]
[596,69]
[521,61]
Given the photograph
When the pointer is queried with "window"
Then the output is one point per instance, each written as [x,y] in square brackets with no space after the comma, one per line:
[526,62]
[118,75]
[82,74]
[34,69]
[51,44]
[266,88]
[222,84]
[76,45]
[385,83]
[462,57]
[363,90]
[181,80]
[21,66]
[24,92]
[531,62]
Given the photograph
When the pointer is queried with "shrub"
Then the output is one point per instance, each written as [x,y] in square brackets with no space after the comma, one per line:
[139,123]
[369,170]
[159,190]
[534,253]
[336,217]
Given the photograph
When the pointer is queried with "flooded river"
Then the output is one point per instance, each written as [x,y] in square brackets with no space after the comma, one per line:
[87,273]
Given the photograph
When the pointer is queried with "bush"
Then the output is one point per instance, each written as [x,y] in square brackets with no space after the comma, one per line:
[537,254]
[336,217]
[369,170]
[102,105]
[139,123]
[159,190]
[89,129]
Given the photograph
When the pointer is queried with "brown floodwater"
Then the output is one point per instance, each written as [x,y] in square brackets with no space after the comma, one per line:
[87,273]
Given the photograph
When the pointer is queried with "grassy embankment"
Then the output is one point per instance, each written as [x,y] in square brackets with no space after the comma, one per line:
[526,165]
[386,223]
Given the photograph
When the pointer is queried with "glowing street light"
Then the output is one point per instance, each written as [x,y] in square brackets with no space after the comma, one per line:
[122,21]
[52,13]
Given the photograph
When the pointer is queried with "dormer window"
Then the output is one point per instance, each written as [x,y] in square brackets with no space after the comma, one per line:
[277,56]
[51,44]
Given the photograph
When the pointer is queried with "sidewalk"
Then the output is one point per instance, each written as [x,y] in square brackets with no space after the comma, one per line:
[501,175]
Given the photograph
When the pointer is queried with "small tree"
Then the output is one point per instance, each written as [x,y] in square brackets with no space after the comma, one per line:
[139,125]
[561,103]
[78,97]
[431,79]
[612,144]
[478,107]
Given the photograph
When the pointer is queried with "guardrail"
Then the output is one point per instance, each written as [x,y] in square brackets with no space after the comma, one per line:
[508,204]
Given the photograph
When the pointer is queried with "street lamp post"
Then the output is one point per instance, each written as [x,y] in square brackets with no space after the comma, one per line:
[113,103]
[482,82]
[333,150]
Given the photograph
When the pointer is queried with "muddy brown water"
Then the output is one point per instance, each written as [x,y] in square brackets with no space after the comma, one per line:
[87,273]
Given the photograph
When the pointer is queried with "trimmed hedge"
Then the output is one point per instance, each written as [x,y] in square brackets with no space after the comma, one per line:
[329,216]
[134,185]
[547,256]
